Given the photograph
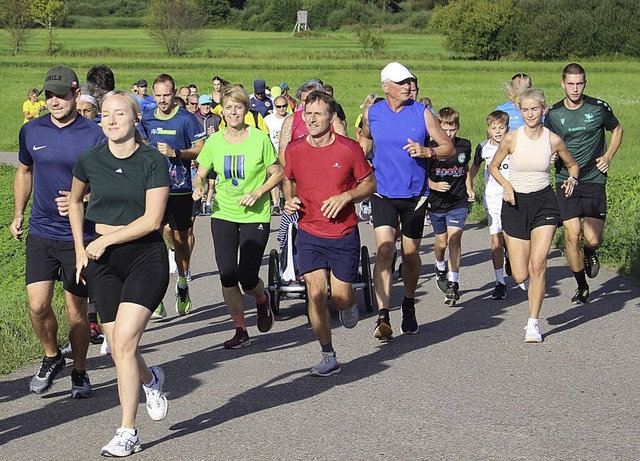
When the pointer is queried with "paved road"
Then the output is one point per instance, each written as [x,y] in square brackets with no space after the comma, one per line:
[465,387]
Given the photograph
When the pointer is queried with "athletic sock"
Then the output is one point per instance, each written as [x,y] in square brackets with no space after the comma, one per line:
[441,265]
[408,302]
[499,276]
[327,347]
[581,279]
[383,314]
[182,281]
[453,276]
[532,322]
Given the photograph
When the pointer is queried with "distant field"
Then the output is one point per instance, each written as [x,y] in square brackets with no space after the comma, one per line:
[473,87]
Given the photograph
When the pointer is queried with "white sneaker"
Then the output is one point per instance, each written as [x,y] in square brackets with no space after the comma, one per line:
[123,444]
[189,274]
[157,405]
[349,317]
[173,266]
[104,347]
[532,334]
[329,365]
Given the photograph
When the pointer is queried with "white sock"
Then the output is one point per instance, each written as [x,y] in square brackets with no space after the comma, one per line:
[441,265]
[499,275]
[130,431]
[452,276]
[532,322]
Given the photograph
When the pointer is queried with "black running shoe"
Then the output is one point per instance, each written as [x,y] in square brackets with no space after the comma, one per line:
[452,296]
[500,291]
[581,297]
[49,369]
[441,280]
[591,263]
[409,322]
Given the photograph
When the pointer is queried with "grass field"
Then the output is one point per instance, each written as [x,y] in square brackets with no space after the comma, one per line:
[473,87]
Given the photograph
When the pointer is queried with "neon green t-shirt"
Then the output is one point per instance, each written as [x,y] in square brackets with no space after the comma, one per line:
[241,168]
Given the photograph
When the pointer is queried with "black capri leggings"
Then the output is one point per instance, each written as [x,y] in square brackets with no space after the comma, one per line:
[251,239]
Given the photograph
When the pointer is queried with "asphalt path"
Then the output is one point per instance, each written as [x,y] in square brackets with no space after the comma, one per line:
[465,387]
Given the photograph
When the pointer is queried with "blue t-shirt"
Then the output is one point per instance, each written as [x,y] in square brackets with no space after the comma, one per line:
[180,131]
[397,173]
[263,107]
[146,103]
[515,117]
[52,152]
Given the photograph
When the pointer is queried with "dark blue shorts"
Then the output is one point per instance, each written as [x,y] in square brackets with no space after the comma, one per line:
[341,256]
[451,218]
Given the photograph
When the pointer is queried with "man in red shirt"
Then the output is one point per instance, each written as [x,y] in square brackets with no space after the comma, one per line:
[325,174]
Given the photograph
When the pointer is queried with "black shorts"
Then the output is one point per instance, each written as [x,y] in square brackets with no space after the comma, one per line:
[530,211]
[51,260]
[132,272]
[178,212]
[409,211]
[341,256]
[587,201]
[196,209]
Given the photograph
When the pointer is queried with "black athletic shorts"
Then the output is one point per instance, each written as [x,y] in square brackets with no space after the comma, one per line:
[530,211]
[178,212]
[587,201]
[132,272]
[410,211]
[48,260]
[196,209]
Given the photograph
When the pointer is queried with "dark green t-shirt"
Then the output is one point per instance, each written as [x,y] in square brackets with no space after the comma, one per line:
[119,186]
[583,131]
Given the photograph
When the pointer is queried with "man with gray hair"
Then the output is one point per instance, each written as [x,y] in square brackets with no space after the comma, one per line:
[400,127]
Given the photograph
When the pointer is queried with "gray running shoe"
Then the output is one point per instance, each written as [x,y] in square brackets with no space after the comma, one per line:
[441,280]
[49,369]
[349,317]
[80,385]
[329,366]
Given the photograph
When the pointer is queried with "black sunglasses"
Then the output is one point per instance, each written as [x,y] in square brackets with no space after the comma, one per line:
[281,107]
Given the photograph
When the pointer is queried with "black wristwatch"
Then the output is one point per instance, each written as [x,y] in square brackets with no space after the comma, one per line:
[178,153]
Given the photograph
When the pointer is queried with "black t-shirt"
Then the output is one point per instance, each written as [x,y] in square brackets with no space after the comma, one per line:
[119,186]
[453,171]
[340,113]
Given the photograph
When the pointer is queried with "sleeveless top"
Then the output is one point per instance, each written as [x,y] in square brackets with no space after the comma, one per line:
[398,174]
[530,162]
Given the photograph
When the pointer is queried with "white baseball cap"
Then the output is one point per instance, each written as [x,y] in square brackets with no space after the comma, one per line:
[395,72]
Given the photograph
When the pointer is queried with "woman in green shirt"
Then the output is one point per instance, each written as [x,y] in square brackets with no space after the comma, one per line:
[247,168]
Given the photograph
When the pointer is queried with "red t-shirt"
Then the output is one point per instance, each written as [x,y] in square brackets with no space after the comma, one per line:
[320,173]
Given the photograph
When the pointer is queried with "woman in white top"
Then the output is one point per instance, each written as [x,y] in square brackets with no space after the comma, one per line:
[530,213]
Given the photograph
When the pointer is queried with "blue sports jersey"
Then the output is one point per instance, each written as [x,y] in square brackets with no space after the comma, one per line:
[52,153]
[397,173]
[515,117]
[180,131]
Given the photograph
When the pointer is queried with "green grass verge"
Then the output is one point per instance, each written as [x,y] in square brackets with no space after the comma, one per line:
[18,342]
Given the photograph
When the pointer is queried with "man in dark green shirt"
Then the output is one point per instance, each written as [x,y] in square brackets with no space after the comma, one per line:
[581,122]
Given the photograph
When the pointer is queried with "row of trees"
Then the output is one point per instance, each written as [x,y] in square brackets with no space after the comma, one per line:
[540,29]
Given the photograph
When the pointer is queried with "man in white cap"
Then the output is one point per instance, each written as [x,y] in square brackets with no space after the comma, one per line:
[400,128]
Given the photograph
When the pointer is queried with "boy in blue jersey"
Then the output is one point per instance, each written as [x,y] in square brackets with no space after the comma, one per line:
[399,127]
[178,135]
[49,147]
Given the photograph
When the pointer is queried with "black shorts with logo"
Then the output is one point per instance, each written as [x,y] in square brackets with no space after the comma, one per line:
[410,212]
[587,201]
[531,210]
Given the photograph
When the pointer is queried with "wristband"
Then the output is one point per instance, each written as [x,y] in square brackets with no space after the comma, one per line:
[575,179]
[432,153]
[178,153]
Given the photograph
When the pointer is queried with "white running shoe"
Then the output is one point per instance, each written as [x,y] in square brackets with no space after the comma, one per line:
[157,405]
[123,444]
[104,347]
[532,334]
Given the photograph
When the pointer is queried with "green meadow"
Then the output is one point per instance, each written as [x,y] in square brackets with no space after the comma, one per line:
[472,87]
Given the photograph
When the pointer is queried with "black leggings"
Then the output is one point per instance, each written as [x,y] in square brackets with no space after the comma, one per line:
[251,239]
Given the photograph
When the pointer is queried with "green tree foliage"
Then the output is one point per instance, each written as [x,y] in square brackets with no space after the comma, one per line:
[589,28]
[484,28]
[175,23]
[15,18]
[48,13]
[215,11]
[269,15]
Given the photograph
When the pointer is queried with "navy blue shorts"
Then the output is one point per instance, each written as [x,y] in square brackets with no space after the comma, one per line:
[451,218]
[341,256]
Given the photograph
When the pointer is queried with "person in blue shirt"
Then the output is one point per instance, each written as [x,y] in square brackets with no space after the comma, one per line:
[146,102]
[49,148]
[519,82]
[178,135]
[260,101]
